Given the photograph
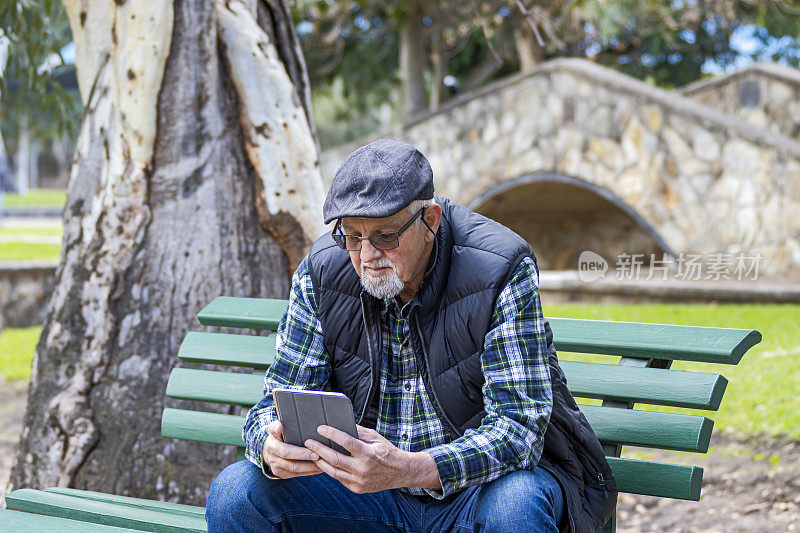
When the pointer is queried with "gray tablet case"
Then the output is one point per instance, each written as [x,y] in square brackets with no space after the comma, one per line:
[302,411]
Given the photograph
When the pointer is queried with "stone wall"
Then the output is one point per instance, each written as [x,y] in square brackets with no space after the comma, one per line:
[765,94]
[703,181]
[24,290]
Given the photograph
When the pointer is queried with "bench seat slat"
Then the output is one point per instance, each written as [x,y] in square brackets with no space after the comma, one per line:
[629,339]
[669,431]
[661,341]
[20,522]
[191,510]
[103,512]
[696,390]
[218,387]
[657,479]
[227,349]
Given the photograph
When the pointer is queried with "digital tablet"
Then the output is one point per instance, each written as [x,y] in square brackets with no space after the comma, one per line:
[302,411]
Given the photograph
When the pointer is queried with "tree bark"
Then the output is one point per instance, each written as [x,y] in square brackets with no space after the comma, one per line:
[6,179]
[530,53]
[23,157]
[439,64]
[412,62]
[185,186]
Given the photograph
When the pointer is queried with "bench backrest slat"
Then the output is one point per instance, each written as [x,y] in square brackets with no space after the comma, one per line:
[244,390]
[627,339]
[657,479]
[696,390]
[636,476]
[215,428]
[228,349]
[670,431]
[612,425]
[676,388]
[254,313]
[657,341]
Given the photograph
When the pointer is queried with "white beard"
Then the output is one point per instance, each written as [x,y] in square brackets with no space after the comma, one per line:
[387,285]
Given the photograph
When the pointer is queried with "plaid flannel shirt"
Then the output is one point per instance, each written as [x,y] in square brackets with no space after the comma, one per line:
[517,395]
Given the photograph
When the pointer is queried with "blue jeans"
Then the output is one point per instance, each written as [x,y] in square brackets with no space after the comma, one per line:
[243,499]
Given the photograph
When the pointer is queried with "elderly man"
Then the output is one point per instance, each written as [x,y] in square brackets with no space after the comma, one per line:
[427,316]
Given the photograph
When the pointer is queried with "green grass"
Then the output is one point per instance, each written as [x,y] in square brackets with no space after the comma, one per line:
[14,245]
[29,252]
[37,198]
[761,398]
[16,352]
[50,230]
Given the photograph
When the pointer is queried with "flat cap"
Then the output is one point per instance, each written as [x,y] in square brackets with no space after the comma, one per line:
[378,180]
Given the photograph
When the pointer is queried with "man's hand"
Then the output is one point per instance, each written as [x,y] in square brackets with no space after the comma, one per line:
[375,464]
[287,461]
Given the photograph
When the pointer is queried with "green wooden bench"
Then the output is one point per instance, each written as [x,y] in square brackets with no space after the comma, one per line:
[641,377]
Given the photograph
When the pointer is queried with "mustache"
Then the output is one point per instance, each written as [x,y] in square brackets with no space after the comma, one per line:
[378,263]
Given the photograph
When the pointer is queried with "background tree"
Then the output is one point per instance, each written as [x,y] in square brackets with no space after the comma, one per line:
[354,49]
[195,175]
[40,106]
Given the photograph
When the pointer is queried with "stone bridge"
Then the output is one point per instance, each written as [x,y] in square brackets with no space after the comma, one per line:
[574,156]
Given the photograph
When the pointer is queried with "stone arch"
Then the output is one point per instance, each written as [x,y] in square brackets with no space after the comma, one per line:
[563,215]
[707,181]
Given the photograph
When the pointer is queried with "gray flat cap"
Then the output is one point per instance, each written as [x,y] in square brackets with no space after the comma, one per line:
[378,180]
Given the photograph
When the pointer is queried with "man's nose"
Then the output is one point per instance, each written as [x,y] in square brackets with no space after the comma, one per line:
[369,252]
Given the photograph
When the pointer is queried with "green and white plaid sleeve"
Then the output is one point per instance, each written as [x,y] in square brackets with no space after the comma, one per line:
[517,393]
[301,362]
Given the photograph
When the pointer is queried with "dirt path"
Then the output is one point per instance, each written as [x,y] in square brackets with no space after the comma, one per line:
[13,397]
[748,486]
[751,486]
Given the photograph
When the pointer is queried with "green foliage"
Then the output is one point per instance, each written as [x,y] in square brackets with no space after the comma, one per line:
[36,31]
[668,44]
[17,346]
[351,52]
[761,398]
[355,44]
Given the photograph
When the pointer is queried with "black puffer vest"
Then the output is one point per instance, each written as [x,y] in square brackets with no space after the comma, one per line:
[473,259]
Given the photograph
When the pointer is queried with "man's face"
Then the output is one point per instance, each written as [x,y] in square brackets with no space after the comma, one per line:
[398,271]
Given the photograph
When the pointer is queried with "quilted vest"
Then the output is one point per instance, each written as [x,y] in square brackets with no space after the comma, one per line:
[473,259]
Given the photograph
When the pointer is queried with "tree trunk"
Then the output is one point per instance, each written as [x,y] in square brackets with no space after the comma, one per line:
[529,51]
[439,64]
[33,165]
[6,179]
[196,175]
[23,157]
[412,63]
[482,72]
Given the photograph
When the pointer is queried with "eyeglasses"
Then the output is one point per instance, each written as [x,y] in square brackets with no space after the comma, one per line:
[381,241]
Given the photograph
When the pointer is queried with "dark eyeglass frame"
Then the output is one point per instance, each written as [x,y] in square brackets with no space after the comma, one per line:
[380,241]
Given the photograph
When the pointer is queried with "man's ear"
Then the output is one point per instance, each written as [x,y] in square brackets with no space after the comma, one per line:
[433,216]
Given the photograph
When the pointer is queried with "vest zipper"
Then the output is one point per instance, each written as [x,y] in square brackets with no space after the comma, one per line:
[437,403]
[372,364]
[602,481]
